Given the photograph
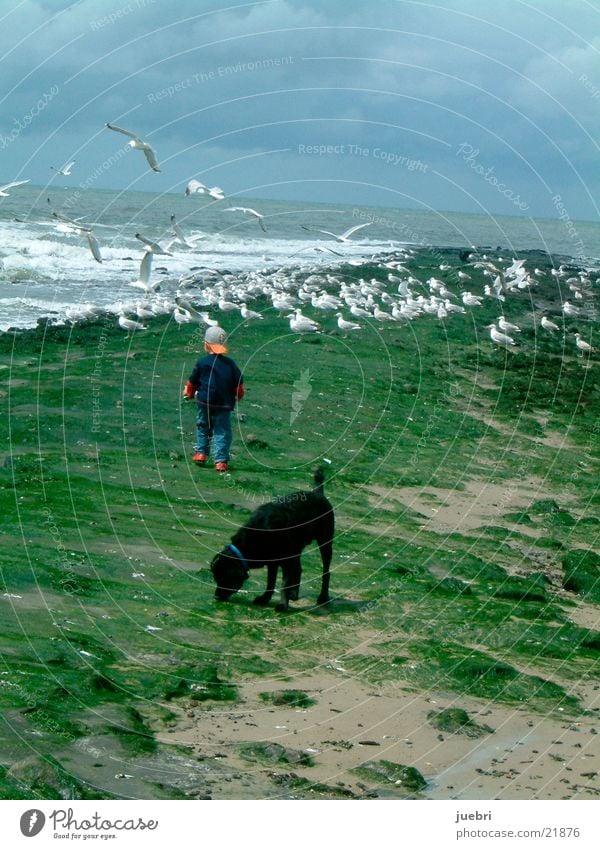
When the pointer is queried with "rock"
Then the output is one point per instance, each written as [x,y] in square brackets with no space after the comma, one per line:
[532,588]
[453,586]
[545,505]
[44,778]
[457,721]
[406,778]
[293,698]
[582,574]
[273,753]
[254,442]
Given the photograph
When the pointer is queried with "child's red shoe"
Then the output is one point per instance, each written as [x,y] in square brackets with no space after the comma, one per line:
[199,458]
[221,467]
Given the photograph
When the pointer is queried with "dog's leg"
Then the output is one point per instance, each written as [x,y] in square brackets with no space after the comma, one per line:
[326,549]
[292,572]
[266,597]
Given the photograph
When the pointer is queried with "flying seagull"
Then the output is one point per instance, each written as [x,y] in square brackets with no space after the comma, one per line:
[143,281]
[317,248]
[247,211]
[4,189]
[196,187]
[138,144]
[65,171]
[153,246]
[345,236]
[81,230]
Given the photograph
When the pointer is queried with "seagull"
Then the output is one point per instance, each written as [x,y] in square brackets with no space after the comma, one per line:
[346,325]
[181,315]
[81,230]
[499,338]
[154,246]
[503,324]
[185,312]
[359,312]
[143,281]
[249,314]
[138,144]
[470,300]
[129,324]
[196,187]
[344,237]
[247,211]
[582,345]
[4,189]
[282,303]
[549,325]
[569,309]
[382,315]
[302,324]
[316,248]
[65,171]
[227,306]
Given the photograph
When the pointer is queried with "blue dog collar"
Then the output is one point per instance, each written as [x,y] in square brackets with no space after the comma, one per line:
[239,554]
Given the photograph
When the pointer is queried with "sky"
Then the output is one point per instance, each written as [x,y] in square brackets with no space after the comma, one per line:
[463,105]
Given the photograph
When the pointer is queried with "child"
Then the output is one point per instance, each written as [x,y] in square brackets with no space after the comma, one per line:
[217,383]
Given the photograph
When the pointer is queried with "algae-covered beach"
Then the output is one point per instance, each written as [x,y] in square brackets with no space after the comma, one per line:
[459,656]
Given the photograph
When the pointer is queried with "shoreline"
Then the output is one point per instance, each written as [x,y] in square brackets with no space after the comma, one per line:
[344,267]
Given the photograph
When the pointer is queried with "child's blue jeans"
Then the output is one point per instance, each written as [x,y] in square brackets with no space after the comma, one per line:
[215,425]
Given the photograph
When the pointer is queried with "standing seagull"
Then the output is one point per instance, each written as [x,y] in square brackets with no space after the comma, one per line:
[583,346]
[570,309]
[499,338]
[65,171]
[344,237]
[549,325]
[346,325]
[4,189]
[129,324]
[505,325]
[138,144]
[247,211]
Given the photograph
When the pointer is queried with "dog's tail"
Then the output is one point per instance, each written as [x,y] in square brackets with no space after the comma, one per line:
[319,479]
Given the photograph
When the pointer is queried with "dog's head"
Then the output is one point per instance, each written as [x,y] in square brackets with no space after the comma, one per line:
[229,573]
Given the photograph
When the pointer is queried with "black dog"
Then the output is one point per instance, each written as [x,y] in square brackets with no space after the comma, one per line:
[275,535]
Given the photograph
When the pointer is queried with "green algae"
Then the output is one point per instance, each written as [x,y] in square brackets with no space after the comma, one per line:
[457,721]
[89,500]
[582,574]
[288,698]
[406,779]
[273,754]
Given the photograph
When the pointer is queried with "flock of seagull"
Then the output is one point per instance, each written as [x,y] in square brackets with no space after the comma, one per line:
[291,290]
[356,302]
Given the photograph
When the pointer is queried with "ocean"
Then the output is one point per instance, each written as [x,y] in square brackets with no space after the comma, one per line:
[45,271]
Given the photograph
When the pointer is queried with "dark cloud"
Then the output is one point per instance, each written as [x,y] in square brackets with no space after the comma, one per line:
[517,82]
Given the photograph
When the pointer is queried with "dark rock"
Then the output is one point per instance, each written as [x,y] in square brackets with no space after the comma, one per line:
[457,721]
[273,753]
[406,778]
[453,586]
[582,573]
[292,698]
